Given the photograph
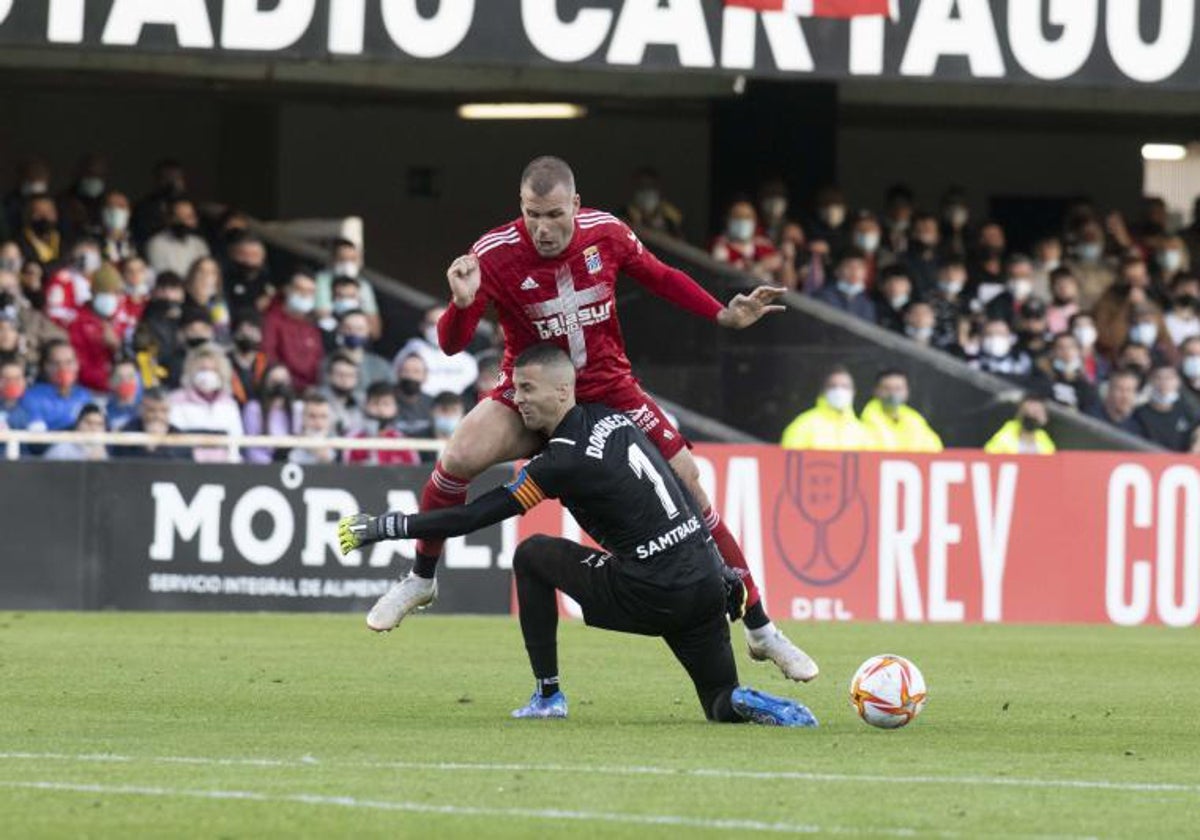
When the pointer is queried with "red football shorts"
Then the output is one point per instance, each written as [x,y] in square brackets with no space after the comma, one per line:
[627,396]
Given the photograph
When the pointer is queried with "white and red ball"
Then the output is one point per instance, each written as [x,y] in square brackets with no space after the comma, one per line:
[888,691]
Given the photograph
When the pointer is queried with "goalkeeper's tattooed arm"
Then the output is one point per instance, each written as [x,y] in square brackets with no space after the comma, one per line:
[492,507]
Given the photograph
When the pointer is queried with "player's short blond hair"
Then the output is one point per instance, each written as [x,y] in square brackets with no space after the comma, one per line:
[544,173]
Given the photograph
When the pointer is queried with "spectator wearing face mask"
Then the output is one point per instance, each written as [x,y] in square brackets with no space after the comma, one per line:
[347,262]
[894,425]
[180,244]
[948,302]
[1062,370]
[1026,433]
[94,335]
[831,423]
[41,240]
[246,358]
[290,336]
[1032,335]
[1182,320]
[316,423]
[1171,260]
[956,219]
[13,414]
[848,291]
[55,401]
[195,329]
[920,323]
[923,257]
[1164,419]
[1147,329]
[898,208]
[1189,372]
[1120,401]
[649,209]
[866,235]
[743,247]
[1089,264]
[1047,259]
[830,221]
[382,415]
[346,298]
[353,338]
[989,277]
[345,391]
[79,205]
[272,412]
[773,210]
[247,278]
[454,373]
[69,287]
[1095,366]
[1064,301]
[203,403]
[1018,290]
[89,421]
[125,395]
[999,354]
[33,179]
[894,293]
[1113,310]
[414,406]
[116,244]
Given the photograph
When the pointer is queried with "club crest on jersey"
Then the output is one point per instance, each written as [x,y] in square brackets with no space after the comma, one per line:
[591,259]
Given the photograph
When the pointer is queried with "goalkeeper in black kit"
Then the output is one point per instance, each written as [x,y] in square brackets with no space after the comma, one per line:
[659,573]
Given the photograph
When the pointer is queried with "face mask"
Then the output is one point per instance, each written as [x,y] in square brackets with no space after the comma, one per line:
[355,342]
[191,342]
[10,263]
[867,240]
[444,425]
[34,188]
[1089,251]
[997,346]
[115,219]
[91,187]
[1191,367]
[741,230]
[899,225]
[105,304]
[13,391]
[302,304]
[87,261]
[278,391]
[63,378]
[1170,260]
[1086,336]
[343,305]
[1164,399]
[180,230]
[206,381]
[898,301]
[839,397]
[431,334]
[893,400]
[41,227]
[409,387]
[246,344]
[1031,424]
[849,289]
[774,207]
[1144,334]
[346,268]
[1020,287]
[126,391]
[950,288]
[1067,367]
[957,216]
[1050,265]
[833,215]
[921,334]
[646,200]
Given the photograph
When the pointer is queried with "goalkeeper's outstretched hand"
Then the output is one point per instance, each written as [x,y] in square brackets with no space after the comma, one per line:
[356,531]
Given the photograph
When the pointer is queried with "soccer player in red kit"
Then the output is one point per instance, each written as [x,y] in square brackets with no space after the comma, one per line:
[551,276]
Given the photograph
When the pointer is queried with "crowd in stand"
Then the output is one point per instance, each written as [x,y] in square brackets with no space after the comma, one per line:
[148,316]
[1103,316]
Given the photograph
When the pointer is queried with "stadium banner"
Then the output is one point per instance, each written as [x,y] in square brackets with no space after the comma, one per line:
[956,537]
[1089,42]
[228,537]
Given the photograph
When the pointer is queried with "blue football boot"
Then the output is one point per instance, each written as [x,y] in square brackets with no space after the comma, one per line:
[769,710]
[554,706]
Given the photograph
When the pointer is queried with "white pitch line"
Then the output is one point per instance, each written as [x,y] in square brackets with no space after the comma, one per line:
[549,814]
[632,770]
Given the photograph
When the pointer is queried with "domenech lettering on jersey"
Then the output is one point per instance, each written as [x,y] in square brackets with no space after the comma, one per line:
[600,432]
[668,540]
[569,312]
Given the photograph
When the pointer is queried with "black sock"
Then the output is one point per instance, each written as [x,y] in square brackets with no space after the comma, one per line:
[756,617]
[425,567]
[548,687]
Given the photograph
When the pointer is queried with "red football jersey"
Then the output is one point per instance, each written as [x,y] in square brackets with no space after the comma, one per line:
[569,299]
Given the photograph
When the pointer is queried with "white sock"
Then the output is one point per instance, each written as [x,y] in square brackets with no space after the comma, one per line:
[761,634]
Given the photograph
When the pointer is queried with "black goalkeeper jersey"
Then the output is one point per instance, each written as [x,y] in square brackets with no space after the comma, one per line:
[623,493]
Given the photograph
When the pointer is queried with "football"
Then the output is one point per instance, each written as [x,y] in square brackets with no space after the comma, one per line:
[888,691]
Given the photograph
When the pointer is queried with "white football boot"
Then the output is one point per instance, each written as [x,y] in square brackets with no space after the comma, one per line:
[778,648]
[406,595]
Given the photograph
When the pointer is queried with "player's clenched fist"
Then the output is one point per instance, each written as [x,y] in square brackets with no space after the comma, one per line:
[464,278]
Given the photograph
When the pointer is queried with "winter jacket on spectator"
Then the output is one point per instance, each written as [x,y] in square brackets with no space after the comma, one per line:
[1129,424]
[55,411]
[823,427]
[1170,429]
[294,342]
[1007,441]
[192,412]
[66,293]
[860,305]
[906,431]
[168,252]
[96,343]
[446,373]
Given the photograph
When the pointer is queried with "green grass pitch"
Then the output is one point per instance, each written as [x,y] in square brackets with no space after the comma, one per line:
[119,725]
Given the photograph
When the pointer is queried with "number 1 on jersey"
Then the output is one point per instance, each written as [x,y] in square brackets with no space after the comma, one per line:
[643,468]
